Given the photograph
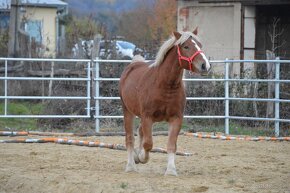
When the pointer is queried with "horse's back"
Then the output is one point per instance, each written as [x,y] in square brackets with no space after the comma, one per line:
[133,69]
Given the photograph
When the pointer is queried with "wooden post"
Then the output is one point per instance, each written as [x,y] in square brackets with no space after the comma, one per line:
[270,93]
[51,81]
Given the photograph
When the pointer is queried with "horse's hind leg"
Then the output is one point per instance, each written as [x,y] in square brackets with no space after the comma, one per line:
[174,128]
[140,143]
[128,124]
[146,141]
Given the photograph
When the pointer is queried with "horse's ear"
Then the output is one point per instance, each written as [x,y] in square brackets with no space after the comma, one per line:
[195,31]
[177,35]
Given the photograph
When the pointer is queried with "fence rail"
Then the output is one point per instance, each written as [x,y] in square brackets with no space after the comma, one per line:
[226,98]
[94,66]
[6,78]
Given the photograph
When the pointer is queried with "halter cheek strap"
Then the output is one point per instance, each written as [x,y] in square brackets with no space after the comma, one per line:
[188,59]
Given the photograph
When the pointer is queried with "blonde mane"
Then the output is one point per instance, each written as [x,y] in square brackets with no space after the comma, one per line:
[167,45]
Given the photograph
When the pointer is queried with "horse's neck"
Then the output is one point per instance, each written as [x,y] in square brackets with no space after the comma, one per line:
[169,72]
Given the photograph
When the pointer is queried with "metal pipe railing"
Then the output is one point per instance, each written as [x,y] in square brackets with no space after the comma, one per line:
[6,78]
[277,97]
[226,97]
[97,98]
[97,94]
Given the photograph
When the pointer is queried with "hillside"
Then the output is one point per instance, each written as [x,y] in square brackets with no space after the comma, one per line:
[85,7]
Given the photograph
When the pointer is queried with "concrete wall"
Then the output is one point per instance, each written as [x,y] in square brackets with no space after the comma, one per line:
[48,18]
[219,26]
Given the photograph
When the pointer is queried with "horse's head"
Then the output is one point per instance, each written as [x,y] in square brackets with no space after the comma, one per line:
[190,55]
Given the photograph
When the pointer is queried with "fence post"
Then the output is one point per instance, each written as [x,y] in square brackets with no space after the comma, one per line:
[227,123]
[277,97]
[5,87]
[97,94]
[88,88]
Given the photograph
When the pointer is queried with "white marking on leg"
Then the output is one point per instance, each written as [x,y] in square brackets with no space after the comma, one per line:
[142,155]
[171,170]
[135,154]
[131,166]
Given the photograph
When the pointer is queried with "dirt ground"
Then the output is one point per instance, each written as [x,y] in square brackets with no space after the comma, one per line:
[216,166]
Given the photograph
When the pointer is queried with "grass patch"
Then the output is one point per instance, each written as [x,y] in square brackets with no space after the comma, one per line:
[188,125]
[124,185]
[235,128]
[231,181]
[20,108]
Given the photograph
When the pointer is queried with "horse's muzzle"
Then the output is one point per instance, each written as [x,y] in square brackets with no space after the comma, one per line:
[205,71]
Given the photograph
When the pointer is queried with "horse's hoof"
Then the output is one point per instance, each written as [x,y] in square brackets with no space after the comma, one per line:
[131,168]
[143,161]
[136,158]
[143,157]
[170,172]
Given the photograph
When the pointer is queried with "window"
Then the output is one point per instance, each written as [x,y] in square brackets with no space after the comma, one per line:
[34,29]
[4,20]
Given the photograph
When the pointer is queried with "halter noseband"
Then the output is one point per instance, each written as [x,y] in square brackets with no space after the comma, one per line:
[188,59]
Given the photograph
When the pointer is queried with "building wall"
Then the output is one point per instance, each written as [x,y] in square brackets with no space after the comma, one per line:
[219,28]
[48,18]
[249,34]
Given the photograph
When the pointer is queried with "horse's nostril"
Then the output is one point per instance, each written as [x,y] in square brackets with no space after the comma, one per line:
[203,66]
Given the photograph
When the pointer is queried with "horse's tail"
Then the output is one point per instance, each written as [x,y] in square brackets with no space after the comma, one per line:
[138,58]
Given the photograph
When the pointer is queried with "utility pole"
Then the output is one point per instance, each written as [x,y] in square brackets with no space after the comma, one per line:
[13,44]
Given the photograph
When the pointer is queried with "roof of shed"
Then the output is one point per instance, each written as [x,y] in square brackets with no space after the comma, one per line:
[6,4]
[248,2]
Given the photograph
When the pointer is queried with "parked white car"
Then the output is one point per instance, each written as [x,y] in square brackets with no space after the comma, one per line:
[117,49]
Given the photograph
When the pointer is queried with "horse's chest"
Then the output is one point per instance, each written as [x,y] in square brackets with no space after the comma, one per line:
[164,113]
[164,106]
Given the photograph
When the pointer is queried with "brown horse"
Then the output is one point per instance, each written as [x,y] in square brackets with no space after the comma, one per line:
[156,93]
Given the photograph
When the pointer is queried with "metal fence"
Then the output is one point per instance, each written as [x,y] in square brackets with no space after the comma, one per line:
[226,79]
[7,78]
[94,66]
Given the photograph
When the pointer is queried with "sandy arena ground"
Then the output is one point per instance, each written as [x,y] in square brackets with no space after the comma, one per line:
[216,166]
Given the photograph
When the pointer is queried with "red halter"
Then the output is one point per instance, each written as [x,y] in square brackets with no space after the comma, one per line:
[188,59]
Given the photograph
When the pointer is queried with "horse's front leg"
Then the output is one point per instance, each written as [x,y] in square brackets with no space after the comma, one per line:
[174,128]
[146,141]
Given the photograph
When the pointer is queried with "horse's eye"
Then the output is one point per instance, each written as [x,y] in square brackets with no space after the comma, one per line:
[186,47]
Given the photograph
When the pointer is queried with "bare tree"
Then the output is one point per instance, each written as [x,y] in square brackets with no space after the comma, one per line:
[274,34]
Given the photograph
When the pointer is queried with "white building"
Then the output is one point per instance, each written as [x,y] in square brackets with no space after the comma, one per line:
[236,29]
[38,20]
